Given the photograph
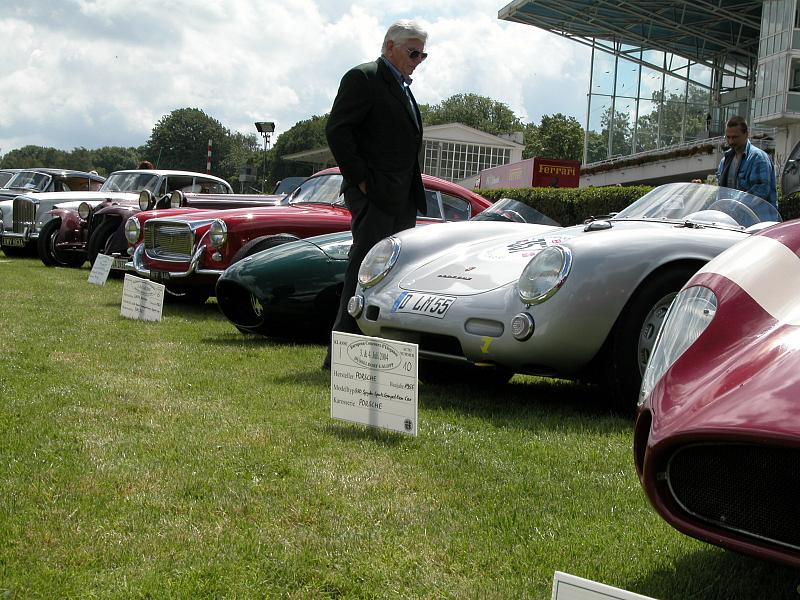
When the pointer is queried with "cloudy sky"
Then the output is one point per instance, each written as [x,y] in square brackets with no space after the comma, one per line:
[92,73]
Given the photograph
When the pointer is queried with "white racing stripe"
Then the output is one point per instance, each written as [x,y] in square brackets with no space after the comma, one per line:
[768,271]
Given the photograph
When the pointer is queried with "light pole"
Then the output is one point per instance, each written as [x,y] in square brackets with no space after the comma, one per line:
[265,128]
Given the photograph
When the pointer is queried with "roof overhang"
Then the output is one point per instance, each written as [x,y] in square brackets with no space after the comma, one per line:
[710,32]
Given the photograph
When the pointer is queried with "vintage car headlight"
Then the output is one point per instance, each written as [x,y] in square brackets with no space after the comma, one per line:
[544,274]
[145,200]
[84,210]
[379,261]
[218,233]
[132,230]
[176,199]
[688,316]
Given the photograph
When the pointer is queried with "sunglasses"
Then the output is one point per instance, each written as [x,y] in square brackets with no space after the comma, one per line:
[416,54]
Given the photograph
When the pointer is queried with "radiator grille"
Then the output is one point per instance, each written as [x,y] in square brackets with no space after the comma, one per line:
[24,215]
[168,241]
[746,488]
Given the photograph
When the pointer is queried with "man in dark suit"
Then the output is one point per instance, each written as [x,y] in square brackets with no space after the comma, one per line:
[375,134]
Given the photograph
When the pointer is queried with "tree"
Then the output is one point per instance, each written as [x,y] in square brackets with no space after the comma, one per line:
[115,158]
[473,110]
[557,136]
[304,135]
[180,141]
[34,156]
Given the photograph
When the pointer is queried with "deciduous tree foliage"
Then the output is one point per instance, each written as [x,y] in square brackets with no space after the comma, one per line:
[304,135]
[473,110]
[556,136]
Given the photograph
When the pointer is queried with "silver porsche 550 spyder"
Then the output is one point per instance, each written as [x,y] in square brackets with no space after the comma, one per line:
[582,302]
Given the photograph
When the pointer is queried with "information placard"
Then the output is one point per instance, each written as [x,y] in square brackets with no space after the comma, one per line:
[374,382]
[142,299]
[100,269]
[571,587]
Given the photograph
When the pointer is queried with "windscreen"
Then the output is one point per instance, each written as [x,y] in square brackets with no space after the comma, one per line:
[701,203]
[508,209]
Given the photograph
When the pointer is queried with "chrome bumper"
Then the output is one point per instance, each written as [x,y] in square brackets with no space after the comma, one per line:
[141,269]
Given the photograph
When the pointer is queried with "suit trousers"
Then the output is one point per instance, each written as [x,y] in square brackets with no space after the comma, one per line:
[369,225]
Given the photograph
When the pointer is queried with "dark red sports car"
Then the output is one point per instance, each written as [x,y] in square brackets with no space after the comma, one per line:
[717,436]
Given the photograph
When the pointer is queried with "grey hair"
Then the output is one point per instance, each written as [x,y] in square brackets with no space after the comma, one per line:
[402,31]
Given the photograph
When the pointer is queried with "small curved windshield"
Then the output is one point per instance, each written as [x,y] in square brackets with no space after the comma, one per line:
[701,203]
[324,189]
[130,182]
[508,209]
[31,181]
[5,178]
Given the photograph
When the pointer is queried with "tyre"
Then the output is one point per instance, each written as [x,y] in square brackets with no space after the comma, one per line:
[45,244]
[262,243]
[50,255]
[635,334]
[99,238]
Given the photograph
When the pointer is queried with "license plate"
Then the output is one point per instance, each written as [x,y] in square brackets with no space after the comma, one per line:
[13,241]
[159,275]
[118,264]
[431,305]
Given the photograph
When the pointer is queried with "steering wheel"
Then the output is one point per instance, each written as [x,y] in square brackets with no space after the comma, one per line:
[743,214]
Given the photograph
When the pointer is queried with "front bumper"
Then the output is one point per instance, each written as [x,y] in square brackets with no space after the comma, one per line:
[194,269]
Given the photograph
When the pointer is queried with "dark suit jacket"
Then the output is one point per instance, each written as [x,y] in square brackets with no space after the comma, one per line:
[373,137]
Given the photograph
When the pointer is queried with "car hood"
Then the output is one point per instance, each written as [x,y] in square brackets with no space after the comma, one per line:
[474,267]
[239,214]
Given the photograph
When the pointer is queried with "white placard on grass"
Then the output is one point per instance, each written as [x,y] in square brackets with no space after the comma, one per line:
[100,269]
[374,382]
[571,587]
[142,299]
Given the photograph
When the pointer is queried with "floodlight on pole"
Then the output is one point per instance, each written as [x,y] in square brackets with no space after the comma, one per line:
[265,128]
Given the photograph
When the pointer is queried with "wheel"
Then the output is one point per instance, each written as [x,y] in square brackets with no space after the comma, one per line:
[635,334]
[46,248]
[99,238]
[438,373]
[45,244]
[262,243]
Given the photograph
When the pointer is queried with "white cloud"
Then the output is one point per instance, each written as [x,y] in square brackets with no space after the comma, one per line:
[93,73]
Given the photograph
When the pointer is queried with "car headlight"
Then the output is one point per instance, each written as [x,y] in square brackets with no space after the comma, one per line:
[544,274]
[145,200]
[176,199]
[84,210]
[218,233]
[132,230]
[688,316]
[379,261]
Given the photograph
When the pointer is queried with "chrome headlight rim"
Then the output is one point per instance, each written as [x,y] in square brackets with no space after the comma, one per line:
[145,200]
[689,315]
[379,261]
[565,256]
[84,210]
[176,199]
[133,230]
[218,233]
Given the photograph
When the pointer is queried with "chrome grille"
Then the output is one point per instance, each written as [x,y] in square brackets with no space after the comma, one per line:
[745,488]
[24,215]
[168,241]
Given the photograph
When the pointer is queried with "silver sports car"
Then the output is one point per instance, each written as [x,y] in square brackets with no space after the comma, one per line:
[582,302]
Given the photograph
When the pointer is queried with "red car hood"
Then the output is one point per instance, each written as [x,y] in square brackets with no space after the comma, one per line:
[230,215]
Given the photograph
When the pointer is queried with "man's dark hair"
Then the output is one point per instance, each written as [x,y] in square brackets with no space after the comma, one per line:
[737,121]
[146,164]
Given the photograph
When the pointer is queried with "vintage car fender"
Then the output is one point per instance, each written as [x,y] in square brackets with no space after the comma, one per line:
[717,436]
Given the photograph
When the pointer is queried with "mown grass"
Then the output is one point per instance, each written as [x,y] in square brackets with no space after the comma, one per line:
[183,459]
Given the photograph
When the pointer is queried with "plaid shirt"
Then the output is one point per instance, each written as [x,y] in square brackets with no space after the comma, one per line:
[756,174]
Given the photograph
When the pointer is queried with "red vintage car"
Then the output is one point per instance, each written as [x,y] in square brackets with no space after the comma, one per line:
[189,249]
[717,435]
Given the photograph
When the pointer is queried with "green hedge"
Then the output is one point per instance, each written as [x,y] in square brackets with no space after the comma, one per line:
[570,206]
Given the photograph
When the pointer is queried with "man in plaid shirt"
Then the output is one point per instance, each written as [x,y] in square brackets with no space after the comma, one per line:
[745,167]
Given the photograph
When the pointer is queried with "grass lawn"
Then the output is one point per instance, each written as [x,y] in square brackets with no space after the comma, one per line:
[184,459]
